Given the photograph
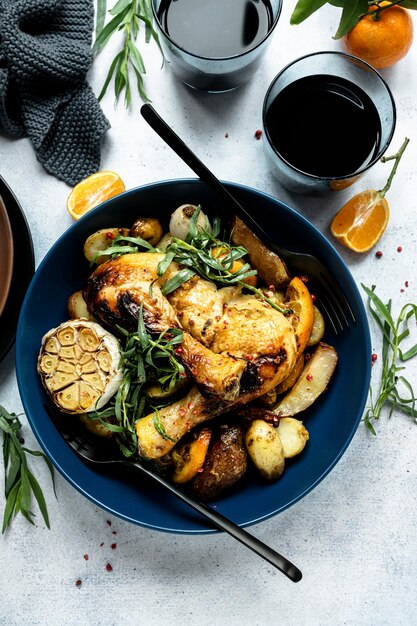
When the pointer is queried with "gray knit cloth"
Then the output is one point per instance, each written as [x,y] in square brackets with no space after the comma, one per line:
[45,54]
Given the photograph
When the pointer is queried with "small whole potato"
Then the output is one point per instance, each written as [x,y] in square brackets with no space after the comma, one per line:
[265,449]
[147,228]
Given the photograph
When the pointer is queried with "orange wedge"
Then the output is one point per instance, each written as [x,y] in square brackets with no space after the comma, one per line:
[298,298]
[361,222]
[92,191]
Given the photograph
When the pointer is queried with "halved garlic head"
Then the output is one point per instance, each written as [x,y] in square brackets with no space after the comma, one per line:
[79,365]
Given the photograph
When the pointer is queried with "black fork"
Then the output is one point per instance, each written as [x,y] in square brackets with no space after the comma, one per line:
[103,452]
[333,301]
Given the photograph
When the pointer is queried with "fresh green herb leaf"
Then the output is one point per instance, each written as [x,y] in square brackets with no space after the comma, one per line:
[126,17]
[146,359]
[160,428]
[394,333]
[202,253]
[20,483]
[100,16]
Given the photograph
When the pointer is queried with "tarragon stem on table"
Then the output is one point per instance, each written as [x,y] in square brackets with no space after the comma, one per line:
[127,15]
[395,390]
[19,482]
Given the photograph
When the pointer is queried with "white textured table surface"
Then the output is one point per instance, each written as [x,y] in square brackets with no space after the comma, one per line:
[354,536]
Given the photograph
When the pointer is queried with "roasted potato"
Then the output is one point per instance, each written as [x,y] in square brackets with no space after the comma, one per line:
[163,243]
[293,435]
[100,240]
[312,382]
[225,463]
[270,267]
[147,228]
[265,449]
[95,427]
[77,307]
[155,392]
[270,399]
[318,329]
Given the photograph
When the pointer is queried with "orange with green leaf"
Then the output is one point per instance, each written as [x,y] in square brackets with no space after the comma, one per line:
[380,33]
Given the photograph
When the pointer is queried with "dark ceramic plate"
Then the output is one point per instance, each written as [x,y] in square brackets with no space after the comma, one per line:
[6,255]
[331,421]
[23,268]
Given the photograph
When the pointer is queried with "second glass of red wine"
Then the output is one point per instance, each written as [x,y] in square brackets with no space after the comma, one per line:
[328,117]
[215,45]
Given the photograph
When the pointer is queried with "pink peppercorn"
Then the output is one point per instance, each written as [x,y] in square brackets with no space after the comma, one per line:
[78,582]
[378,254]
[258,134]
[113,546]
[85,557]
[374,357]
[109,235]
[309,377]
[399,249]
[226,135]
[109,568]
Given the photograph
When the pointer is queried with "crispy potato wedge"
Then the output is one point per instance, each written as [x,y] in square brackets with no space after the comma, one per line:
[270,399]
[312,382]
[77,307]
[265,449]
[100,240]
[163,243]
[270,267]
[95,426]
[318,329]
[293,435]
[292,377]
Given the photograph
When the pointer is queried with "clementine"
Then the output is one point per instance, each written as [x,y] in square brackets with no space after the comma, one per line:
[92,191]
[381,38]
[361,222]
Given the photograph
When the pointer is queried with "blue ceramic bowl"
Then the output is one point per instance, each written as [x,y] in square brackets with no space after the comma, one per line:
[331,421]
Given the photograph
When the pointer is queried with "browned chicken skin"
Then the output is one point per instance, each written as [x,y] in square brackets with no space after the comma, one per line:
[235,347]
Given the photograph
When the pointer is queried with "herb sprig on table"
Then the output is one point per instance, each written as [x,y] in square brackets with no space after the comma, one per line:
[20,483]
[127,15]
[395,391]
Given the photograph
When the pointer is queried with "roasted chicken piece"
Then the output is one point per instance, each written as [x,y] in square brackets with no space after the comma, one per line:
[235,347]
[119,287]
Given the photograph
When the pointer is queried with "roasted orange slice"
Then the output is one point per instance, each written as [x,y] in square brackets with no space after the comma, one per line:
[298,298]
[189,457]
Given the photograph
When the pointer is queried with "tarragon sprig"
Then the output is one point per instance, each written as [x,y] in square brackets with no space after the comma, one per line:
[203,253]
[20,483]
[395,391]
[145,359]
[127,16]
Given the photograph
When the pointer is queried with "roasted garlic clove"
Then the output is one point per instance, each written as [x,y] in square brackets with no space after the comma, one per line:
[79,365]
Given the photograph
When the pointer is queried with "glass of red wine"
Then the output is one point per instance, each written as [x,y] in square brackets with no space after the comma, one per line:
[215,45]
[328,117]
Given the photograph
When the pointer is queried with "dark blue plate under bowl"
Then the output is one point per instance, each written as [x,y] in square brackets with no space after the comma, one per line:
[331,421]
